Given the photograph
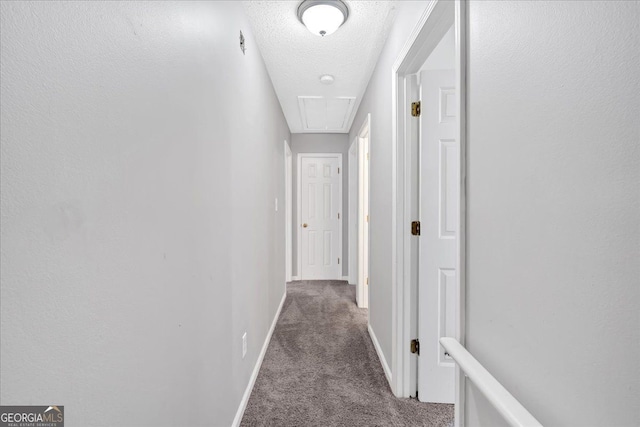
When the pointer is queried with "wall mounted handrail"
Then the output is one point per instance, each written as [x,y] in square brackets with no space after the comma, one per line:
[504,402]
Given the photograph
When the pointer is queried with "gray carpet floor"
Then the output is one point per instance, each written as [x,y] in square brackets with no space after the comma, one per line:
[321,368]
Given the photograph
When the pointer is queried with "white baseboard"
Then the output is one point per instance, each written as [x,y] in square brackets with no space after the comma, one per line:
[347,278]
[383,361]
[256,368]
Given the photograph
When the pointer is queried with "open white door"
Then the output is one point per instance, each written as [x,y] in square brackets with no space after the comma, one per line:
[439,212]
[320,213]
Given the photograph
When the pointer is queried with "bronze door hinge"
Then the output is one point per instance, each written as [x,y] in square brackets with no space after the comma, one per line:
[415,347]
[415,109]
[415,228]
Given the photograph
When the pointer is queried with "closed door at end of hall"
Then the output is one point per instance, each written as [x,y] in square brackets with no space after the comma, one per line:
[320,218]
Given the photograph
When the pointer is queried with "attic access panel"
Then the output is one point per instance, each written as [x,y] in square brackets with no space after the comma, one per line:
[321,114]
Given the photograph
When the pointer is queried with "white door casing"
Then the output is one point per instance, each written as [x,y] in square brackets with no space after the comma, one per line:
[320,216]
[288,196]
[439,217]
[364,147]
[413,205]
[353,213]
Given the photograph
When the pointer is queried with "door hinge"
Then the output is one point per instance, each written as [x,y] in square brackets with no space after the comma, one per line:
[367,156]
[338,215]
[415,347]
[338,171]
[367,280]
[415,109]
[367,218]
[338,260]
[415,228]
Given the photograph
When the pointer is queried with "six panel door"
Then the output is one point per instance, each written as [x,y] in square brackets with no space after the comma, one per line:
[320,218]
[439,207]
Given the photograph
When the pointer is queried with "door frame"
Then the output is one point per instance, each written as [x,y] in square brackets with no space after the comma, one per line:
[353,212]
[299,209]
[288,213]
[423,39]
[364,205]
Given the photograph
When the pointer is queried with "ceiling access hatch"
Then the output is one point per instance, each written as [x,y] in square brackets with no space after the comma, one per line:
[330,115]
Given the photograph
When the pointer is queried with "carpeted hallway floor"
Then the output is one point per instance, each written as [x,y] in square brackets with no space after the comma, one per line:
[321,368]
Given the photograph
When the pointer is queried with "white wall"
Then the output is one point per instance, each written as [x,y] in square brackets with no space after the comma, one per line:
[377,101]
[554,186]
[322,143]
[553,268]
[443,55]
[137,145]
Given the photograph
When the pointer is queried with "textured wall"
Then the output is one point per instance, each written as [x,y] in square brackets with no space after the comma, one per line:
[377,101]
[322,143]
[554,186]
[141,155]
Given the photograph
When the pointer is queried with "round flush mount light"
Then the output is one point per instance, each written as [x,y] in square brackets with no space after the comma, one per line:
[326,79]
[323,17]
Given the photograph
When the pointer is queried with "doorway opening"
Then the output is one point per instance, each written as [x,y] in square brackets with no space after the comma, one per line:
[429,195]
[438,184]
[363,145]
[353,214]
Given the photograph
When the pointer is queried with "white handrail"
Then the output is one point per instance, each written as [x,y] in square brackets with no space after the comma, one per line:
[500,398]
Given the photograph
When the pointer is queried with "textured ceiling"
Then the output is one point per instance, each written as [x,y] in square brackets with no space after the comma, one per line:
[296,59]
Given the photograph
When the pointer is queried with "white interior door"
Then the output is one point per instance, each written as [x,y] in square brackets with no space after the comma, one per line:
[439,211]
[320,216]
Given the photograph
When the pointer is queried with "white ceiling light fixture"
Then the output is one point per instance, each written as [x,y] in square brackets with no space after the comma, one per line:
[323,17]
[326,79]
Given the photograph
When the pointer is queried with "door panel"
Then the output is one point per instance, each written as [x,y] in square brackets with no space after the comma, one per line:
[321,205]
[437,248]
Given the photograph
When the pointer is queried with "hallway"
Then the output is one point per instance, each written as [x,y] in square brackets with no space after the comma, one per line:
[463,175]
[321,368]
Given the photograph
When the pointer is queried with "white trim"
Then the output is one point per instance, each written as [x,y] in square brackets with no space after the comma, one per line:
[409,59]
[288,211]
[299,209]
[345,278]
[364,209]
[383,361]
[504,402]
[461,25]
[294,278]
[352,216]
[256,368]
